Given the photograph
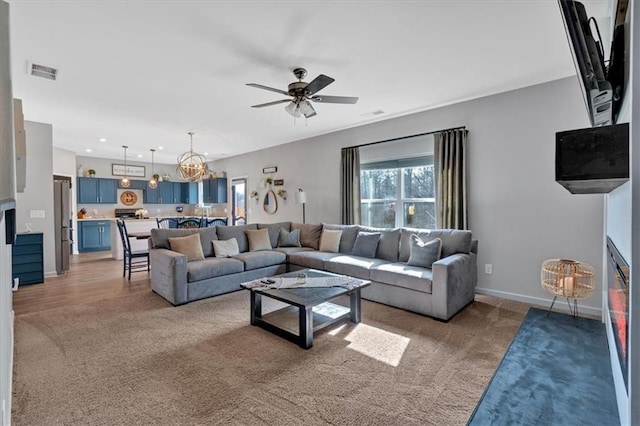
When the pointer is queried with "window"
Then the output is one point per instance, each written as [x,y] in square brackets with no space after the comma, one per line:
[398,193]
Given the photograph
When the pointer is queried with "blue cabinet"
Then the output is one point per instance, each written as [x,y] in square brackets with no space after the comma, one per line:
[94,235]
[188,193]
[134,184]
[214,190]
[97,190]
[27,259]
[163,194]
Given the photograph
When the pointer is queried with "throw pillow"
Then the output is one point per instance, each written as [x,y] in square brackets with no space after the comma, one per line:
[225,248]
[330,241]
[366,244]
[289,239]
[189,246]
[258,239]
[424,253]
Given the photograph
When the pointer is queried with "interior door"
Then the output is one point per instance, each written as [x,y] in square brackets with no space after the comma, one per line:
[239,201]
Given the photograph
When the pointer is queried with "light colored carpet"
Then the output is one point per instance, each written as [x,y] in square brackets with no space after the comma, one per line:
[137,360]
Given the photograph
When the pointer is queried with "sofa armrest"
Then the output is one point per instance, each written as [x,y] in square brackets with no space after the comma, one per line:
[453,284]
[169,275]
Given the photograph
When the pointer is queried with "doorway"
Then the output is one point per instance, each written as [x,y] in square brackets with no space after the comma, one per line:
[239,201]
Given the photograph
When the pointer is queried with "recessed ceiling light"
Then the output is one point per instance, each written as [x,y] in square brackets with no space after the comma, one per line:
[206,153]
[161,147]
[102,140]
[139,155]
[88,149]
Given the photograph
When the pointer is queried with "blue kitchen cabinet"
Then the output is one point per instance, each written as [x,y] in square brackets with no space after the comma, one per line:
[163,194]
[97,190]
[134,184]
[188,193]
[214,190]
[94,235]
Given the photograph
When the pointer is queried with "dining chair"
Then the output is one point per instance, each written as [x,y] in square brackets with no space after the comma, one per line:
[167,222]
[213,221]
[189,222]
[133,261]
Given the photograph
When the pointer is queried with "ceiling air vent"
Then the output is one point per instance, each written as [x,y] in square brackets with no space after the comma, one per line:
[43,71]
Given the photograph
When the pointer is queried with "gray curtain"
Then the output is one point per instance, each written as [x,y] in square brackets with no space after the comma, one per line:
[350,185]
[450,163]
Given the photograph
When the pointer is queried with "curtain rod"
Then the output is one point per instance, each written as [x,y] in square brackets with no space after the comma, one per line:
[405,137]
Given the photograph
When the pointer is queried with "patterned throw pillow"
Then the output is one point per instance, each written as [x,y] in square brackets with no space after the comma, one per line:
[225,248]
[189,246]
[330,241]
[366,244]
[289,239]
[424,253]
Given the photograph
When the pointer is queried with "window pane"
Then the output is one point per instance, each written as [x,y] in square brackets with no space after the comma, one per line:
[420,215]
[380,214]
[378,184]
[419,182]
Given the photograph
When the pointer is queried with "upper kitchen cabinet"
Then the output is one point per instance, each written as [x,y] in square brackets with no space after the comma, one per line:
[97,190]
[188,192]
[163,194]
[135,184]
[214,190]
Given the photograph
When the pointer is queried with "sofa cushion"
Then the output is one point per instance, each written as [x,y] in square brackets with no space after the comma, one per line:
[311,259]
[291,250]
[349,234]
[366,244]
[225,248]
[352,266]
[453,241]
[330,240]
[309,234]
[289,239]
[403,275]
[389,242]
[160,236]
[189,246]
[260,259]
[258,239]
[424,253]
[237,232]
[274,230]
[212,267]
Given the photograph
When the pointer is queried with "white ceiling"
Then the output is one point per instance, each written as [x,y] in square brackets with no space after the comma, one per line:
[144,73]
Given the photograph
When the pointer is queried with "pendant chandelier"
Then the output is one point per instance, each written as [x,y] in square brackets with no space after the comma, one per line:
[125,183]
[192,166]
[153,183]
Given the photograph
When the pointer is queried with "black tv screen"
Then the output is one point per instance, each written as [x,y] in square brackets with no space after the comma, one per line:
[594,160]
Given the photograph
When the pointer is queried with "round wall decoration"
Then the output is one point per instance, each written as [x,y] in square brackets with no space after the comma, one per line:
[128,198]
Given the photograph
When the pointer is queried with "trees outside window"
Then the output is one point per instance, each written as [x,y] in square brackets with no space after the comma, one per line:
[398,193]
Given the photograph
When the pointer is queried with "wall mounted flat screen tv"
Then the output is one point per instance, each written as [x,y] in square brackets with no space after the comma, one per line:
[602,80]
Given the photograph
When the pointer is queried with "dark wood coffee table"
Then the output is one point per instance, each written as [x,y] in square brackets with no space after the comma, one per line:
[309,308]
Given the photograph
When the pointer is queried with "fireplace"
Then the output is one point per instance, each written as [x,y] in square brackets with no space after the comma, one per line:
[618,300]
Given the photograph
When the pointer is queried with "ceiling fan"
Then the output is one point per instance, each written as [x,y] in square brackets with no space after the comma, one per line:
[302,92]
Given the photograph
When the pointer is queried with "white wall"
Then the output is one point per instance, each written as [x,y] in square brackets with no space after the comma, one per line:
[38,194]
[519,214]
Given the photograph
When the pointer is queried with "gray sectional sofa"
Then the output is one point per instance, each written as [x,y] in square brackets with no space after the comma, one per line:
[440,291]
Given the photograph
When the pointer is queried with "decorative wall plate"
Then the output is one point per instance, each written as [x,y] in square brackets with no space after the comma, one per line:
[128,198]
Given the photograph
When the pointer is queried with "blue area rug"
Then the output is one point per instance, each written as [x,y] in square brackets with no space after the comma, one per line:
[553,373]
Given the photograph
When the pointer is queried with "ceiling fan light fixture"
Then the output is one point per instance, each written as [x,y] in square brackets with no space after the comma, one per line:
[306,109]
[192,166]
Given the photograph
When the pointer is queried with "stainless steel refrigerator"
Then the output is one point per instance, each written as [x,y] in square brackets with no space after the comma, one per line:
[62,221]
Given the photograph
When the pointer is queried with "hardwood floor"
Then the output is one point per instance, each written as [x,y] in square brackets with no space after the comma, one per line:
[91,277]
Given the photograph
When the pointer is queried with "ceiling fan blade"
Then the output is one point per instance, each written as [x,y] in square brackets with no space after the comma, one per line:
[335,99]
[271,89]
[271,103]
[318,83]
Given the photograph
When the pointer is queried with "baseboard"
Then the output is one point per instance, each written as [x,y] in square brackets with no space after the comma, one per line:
[560,305]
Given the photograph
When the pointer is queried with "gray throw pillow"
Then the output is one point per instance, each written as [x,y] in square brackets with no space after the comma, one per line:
[289,239]
[366,244]
[424,253]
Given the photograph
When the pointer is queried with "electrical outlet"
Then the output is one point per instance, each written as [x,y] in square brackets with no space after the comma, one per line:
[488,268]
[36,214]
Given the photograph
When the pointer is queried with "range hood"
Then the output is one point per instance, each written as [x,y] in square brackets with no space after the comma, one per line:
[594,160]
